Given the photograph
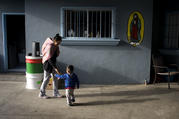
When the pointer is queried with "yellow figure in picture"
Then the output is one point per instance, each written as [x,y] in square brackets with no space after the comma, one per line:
[135,32]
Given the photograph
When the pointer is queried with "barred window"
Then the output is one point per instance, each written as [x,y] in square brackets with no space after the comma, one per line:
[87,23]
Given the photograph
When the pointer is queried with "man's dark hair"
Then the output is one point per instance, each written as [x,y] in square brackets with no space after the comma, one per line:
[71,68]
[57,37]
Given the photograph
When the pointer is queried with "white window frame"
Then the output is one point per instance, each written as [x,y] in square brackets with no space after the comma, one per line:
[89,40]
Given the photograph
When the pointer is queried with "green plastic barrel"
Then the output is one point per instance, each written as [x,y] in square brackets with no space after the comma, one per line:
[34,64]
[34,72]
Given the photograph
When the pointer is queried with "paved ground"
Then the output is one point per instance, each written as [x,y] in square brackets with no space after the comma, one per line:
[92,102]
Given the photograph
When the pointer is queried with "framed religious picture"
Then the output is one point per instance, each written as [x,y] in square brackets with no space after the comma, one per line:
[135,32]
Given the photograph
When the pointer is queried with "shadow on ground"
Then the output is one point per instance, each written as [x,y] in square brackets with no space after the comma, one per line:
[136,93]
[128,94]
[122,101]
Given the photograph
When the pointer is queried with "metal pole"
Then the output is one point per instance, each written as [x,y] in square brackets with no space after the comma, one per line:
[169,80]
[100,23]
[87,23]
[75,27]
[66,23]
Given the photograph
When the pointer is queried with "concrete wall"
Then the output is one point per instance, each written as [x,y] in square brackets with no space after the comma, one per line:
[95,64]
[8,6]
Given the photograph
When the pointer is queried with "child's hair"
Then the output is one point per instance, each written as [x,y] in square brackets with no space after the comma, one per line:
[57,37]
[70,68]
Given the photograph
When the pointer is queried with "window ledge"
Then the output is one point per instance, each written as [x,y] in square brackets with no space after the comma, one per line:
[91,42]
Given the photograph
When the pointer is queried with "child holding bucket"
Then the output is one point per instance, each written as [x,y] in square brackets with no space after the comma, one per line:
[50,51]
[71,80]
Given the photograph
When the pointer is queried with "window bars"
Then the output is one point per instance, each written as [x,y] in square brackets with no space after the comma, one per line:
[172,30]
[88,23]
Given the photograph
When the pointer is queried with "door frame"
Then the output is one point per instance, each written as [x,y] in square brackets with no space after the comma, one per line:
[4,31]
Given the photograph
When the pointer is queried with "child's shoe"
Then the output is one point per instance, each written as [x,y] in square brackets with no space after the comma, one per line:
[73,100]
[69,104]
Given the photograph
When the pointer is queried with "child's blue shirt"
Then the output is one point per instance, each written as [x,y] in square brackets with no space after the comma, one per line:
[70,80]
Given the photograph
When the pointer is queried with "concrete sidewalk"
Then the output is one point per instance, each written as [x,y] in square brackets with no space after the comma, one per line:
[92,102]
[13,76]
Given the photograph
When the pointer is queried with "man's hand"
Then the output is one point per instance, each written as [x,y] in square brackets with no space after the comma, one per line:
[57,71]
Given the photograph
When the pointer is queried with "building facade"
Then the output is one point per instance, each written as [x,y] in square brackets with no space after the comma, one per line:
[95,62]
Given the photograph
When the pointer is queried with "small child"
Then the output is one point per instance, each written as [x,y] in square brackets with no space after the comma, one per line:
[71,80]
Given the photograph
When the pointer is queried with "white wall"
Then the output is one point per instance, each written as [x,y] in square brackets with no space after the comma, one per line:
[95,64]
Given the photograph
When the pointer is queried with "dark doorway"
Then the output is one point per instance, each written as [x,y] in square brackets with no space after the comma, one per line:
[15,34]
[165,36]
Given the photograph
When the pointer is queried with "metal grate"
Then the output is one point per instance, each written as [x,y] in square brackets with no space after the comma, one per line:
[88,23]
[172,39]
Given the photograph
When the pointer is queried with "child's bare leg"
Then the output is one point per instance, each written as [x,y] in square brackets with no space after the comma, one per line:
[68,97]
[72,95]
